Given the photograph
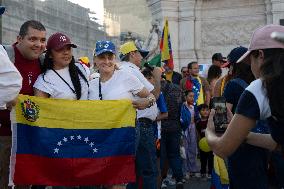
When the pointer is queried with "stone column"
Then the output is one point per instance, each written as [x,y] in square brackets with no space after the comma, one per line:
[277,11]
[188,39]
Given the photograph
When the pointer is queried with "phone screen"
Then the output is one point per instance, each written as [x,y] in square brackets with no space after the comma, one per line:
[220,117]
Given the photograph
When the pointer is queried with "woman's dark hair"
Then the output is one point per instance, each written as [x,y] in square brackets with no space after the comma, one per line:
[272,73]
[73,70]
[147,72]
[243,71]
[214,72]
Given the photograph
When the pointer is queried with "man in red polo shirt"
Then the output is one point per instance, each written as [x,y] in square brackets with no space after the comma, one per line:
[30,44]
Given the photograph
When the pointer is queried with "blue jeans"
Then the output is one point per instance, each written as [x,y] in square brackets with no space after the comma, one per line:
[146,160]
[170,145]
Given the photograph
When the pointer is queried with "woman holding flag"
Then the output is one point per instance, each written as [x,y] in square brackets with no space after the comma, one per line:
[62,77]
[116,84]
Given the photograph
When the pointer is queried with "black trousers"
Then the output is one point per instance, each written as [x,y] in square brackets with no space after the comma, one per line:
[206,158]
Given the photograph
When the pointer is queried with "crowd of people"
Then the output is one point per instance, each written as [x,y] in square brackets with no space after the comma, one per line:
[173,109]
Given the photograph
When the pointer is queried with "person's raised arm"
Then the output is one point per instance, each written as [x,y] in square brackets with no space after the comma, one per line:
[157,85]
[234,135]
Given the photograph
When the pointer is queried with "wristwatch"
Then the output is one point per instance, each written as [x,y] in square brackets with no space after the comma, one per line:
[151,100]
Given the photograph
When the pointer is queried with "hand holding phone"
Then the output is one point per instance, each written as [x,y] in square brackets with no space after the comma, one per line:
[220,118]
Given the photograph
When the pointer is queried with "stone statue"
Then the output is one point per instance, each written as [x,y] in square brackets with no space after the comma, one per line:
[152,42]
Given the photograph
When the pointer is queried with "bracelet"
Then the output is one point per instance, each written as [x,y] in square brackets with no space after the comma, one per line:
[151,100]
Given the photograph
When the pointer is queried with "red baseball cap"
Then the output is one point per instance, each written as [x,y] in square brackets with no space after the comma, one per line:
[58,40]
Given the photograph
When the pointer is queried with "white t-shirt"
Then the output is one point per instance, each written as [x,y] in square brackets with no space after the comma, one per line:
[151,112]
[134,70]
[52,84]
[10,79]
[121,85]
[254,102]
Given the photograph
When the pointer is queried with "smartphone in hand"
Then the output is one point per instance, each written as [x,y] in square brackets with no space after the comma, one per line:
[220,118]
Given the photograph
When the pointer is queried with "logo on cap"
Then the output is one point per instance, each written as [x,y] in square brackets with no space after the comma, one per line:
[62,38]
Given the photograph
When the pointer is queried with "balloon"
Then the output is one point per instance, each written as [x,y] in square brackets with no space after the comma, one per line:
[203,145]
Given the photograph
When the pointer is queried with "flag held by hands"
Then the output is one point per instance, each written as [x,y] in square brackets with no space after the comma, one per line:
[72,143]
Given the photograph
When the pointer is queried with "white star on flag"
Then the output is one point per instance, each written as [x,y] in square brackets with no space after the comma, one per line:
[65,139]
[86,140]
[71,137]
[95,150]
[59,143]
[79,137]
[56,150]
[91,144]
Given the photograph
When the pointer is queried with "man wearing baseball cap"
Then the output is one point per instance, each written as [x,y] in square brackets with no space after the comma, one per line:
[25,54]
[131,58]
[10,78]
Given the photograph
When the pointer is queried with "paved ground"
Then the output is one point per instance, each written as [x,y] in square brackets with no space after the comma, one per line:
[195,183]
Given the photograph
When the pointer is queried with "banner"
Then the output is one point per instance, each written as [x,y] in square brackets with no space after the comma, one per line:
[72,142]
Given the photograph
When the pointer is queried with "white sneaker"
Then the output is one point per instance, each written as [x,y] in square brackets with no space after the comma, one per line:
[187,177]
[209,176]
[197,175]
[163,185]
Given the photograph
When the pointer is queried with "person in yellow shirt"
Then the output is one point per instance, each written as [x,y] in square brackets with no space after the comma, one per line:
[199,85]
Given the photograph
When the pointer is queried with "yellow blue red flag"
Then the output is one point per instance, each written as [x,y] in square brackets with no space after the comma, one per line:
[220,178]
[72,143]
[166,47]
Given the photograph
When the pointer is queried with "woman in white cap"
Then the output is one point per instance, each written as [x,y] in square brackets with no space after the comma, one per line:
[263,99]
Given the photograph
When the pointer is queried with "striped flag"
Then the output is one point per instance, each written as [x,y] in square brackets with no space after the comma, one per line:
[166,47]
[220,178]
[72,143]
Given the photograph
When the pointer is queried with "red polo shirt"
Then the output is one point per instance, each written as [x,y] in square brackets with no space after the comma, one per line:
[30,70]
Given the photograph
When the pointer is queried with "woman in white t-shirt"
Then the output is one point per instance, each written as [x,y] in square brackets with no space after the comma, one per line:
[62,77]
[263,99]
[114,84]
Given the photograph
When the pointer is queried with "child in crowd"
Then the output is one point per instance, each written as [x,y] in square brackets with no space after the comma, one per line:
[188,116]
[206,158]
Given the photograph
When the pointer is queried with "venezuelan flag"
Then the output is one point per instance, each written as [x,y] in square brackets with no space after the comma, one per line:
[166,47]
[220,178]
[68,143]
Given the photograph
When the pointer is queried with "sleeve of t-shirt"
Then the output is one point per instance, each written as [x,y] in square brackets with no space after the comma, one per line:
[133,83]
[43,85]
[232,92]
[248,106]
[94,89]
[161,103]
[144,81]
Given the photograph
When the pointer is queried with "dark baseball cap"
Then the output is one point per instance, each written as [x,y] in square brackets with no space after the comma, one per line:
[218,57]
[2,10]
[58,40]
[236,54]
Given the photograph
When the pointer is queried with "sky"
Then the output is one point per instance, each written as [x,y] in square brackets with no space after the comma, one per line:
[96,6]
